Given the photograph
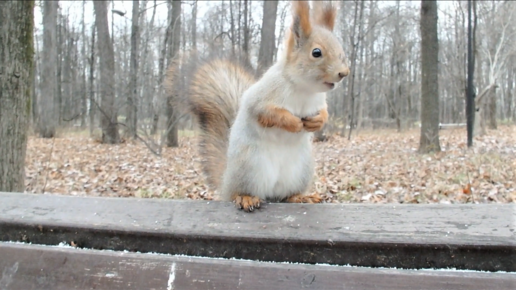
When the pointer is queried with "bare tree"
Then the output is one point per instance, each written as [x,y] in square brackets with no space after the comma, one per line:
[267,45]
[59,89]
[498,46]
[109,122]
[172,132]
[232,28]
[355,38]
[84,93]
[133,95]
[510,94]
[92,61]
[157,100]
[429,139]
[247,35]
[68,74]
[37,65]
[16,57]
[193,24]
[470,98]
[48,111]
[279,40]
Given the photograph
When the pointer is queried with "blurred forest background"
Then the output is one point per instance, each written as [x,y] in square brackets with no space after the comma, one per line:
[99,68]
[381,39]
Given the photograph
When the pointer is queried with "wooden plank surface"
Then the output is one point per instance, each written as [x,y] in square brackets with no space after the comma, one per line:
[41,267]
[475,237]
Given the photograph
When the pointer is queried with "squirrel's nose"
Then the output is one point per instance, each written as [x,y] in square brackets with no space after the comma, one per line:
[344,73]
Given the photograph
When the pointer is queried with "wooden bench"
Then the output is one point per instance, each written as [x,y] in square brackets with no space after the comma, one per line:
[116,243]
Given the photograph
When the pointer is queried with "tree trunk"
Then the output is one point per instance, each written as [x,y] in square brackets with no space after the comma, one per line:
[268,36]
[145,62]
[157,100]
[232,28]
[369,87]
[510,93]
[172,140]
[16,57]
[84,93]
[397,80]
[183,35]
[48,110]
[351,80]
[34,98]
[133,95]
[363,72]
[194,26]
[67,77]
[59,93]
[93,104]
[245,45]
[429,139]
[109,114]
[472,117]
[281,32]
[491,108]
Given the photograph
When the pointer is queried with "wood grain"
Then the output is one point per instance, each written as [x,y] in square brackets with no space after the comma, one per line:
[41,267]
[475,237]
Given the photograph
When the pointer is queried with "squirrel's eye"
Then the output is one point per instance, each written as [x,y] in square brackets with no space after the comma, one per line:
[316,52]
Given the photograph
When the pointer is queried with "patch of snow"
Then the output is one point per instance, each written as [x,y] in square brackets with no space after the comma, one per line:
[172,268]
[171,277]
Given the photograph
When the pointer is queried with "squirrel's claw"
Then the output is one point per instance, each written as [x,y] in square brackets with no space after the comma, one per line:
[316,122]
[247,203]
[312,124]
[296,125]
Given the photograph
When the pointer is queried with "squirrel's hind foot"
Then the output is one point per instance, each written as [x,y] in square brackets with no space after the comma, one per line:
[247,202]
[300,198]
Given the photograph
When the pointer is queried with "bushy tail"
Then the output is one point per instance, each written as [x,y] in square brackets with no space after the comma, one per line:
[213,97]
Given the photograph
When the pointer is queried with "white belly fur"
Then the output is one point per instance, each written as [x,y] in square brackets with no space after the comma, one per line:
[282,161]
[271,162]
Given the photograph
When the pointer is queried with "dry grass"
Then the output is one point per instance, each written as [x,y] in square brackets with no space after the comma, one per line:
[374,167]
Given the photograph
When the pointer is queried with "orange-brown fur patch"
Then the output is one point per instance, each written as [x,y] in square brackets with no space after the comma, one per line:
[300,198]
[315,123]
[301,11]
[281,118]
[246,202]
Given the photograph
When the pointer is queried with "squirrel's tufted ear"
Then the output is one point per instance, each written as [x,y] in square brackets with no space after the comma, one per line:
[325,13]
[301,26]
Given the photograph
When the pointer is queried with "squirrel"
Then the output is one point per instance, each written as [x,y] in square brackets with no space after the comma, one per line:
[256,136]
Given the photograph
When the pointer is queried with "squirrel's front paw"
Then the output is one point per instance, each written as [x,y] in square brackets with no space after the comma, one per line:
[315,123]
[246,202]
[280,118]
[295,126]
[312,124]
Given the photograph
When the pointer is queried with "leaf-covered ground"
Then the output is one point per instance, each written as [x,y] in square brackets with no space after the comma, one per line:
[374,167]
